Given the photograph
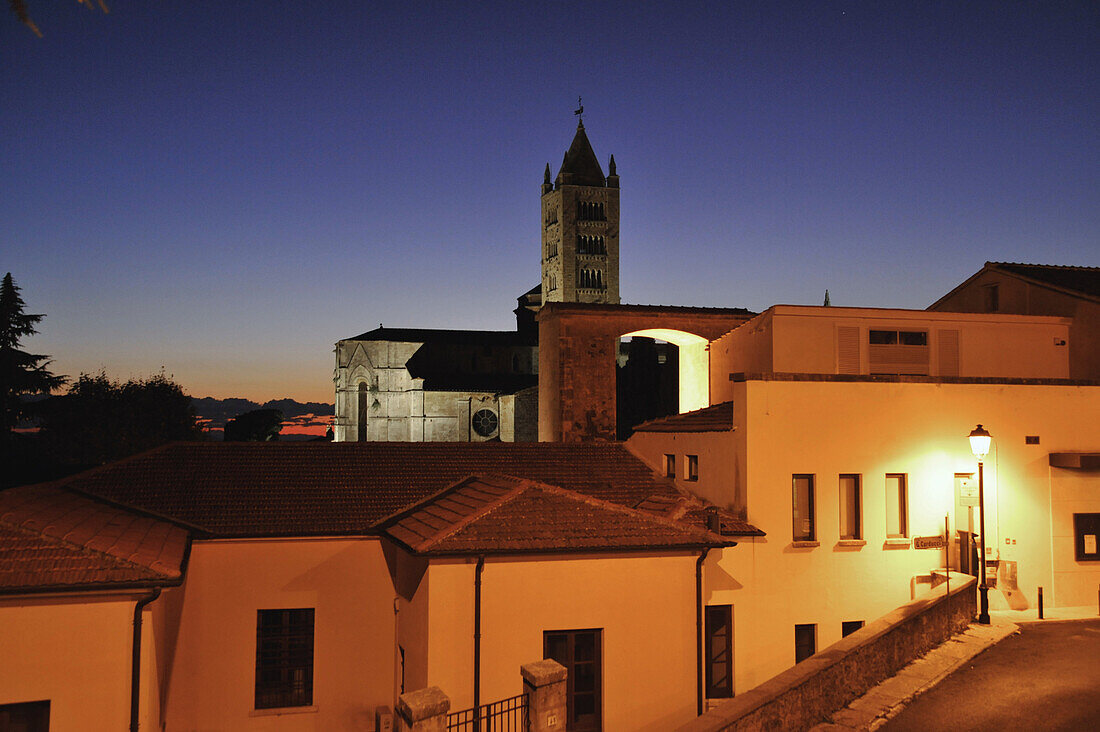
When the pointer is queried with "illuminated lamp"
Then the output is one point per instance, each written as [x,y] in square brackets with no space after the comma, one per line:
[979,445]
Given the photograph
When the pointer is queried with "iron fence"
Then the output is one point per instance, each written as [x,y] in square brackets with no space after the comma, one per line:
[506,715]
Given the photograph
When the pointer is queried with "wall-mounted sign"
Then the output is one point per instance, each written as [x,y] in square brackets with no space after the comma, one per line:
[928,542]
[967,489]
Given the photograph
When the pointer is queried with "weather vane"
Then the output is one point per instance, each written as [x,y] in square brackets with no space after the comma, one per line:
[579,111]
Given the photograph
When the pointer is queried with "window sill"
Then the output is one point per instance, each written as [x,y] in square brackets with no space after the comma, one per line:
[896,544]
[275,711]
[805,544]
[852,542]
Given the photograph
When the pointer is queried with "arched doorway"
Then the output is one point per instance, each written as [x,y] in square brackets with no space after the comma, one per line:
[659,371]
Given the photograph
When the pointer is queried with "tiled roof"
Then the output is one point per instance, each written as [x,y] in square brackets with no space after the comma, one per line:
[438,335]
[494,514]
[1083,280]
[53,539]
[691,510]
[313,489]
[488,383]
[716,418]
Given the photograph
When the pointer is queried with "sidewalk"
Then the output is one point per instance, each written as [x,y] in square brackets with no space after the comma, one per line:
[873,709]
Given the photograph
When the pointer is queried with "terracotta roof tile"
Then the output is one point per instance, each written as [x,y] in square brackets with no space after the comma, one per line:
[304,489]
[53,539]
[716,418]
[510,515]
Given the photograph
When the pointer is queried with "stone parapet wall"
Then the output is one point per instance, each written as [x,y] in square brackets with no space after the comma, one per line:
[803,695]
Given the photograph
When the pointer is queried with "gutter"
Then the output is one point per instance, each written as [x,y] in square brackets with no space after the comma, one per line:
[477,631]
[699,627]
[135,662]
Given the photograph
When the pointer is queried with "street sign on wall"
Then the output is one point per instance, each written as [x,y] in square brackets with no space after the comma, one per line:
[929,542]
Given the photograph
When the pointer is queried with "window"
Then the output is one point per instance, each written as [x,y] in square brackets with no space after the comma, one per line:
[579,651]
[484,422]
[1086,537]
[25,717]
[805,642]
[670,465]
[897,507]
[991,298]
[284,658]
[899,337]
[719,629]
[851,507]
[850,626]
[803,513]
[898,351]
[691,470]
[361,413]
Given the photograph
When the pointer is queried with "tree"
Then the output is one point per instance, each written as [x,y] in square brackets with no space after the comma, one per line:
[100,420]
[259,425]
[21,373]
[19,9]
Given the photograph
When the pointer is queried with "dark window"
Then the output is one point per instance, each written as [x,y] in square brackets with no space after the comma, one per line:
[1086,537]
[913,338]
[803,514]
[692,467]
[897,506]
[884,337]
[851,508]
[284,658]
[850,626]
[25,717]
[992,298]
[361,416]
[805,642]
[895,337]
[579,651]
[485,422]
[719,627]
[670,466]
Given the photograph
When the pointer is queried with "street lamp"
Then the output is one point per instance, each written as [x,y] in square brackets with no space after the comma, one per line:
[979,445]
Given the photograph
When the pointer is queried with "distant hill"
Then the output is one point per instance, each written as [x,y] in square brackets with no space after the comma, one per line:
[220,410]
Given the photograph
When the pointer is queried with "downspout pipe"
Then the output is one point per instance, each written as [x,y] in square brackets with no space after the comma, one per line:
[477,631]
[135,661]
[699,626]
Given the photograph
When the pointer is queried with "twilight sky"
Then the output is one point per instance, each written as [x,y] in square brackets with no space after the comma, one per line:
[225,189]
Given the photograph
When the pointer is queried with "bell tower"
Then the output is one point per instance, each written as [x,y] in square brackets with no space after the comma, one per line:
[580,228]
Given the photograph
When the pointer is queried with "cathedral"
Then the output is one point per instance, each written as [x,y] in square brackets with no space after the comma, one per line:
[437,385]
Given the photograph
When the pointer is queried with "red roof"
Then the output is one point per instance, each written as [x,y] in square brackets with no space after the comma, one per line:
[318,489]
[717,418]
[494,514]
[53,539]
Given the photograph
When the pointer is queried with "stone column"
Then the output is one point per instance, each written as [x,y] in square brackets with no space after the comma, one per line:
[544,683]
[423,711]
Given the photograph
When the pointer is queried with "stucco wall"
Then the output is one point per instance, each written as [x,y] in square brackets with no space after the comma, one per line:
[643,604]
[75,652]
[721,474]
[795,339]
[212,681]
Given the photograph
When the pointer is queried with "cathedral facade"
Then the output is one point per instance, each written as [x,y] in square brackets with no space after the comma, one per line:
[437,385]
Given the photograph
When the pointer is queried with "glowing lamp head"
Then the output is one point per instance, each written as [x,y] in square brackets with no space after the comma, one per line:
[979,442]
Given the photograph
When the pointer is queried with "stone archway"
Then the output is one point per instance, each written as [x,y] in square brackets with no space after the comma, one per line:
[578,344]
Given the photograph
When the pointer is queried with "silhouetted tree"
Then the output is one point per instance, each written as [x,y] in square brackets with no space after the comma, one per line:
[21,373]
[19,9]
[259,425]
[100,420]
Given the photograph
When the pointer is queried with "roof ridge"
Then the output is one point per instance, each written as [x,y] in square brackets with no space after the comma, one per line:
[1047,266]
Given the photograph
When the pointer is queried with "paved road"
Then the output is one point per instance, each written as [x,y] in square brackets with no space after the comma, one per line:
[1045,678]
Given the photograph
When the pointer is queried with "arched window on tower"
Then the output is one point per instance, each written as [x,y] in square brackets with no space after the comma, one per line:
[361,415]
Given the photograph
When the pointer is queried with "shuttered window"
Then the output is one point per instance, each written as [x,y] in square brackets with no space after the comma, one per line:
[949,352]
[847,350]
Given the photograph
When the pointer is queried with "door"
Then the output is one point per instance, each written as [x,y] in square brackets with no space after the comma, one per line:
[579,651]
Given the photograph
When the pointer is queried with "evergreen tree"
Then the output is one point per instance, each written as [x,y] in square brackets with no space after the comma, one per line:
[21,373]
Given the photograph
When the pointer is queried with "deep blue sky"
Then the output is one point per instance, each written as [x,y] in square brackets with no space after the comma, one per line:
[224,189]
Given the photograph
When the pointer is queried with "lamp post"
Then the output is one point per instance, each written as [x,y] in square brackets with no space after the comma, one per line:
[979,445]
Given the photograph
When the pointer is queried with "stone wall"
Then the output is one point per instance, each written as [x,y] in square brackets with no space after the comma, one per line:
[578,347]
[803,695]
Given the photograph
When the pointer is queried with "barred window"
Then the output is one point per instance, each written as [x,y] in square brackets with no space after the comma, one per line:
[284,658]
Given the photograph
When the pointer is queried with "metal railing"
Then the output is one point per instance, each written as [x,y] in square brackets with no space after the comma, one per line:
[506,715]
